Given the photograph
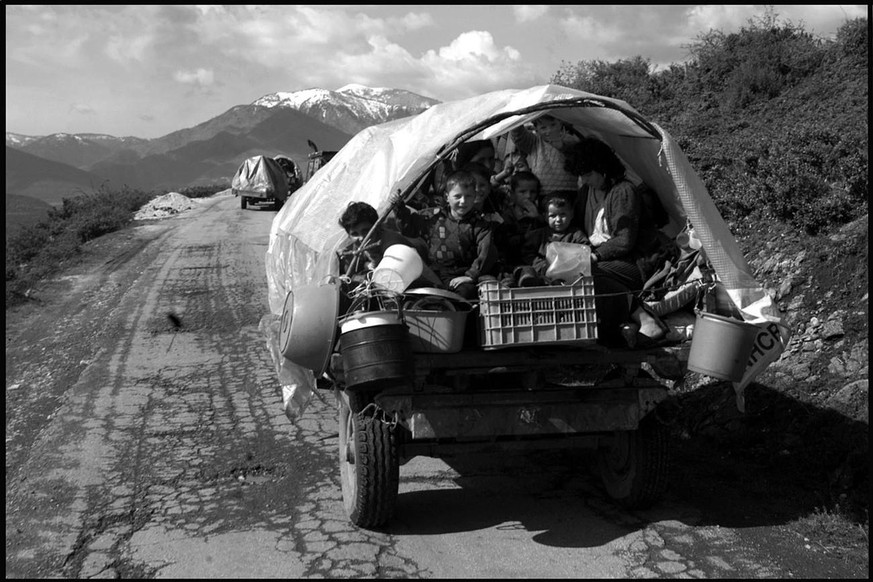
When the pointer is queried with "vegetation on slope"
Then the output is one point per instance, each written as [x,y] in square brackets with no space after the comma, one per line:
[773,119]
[39,250]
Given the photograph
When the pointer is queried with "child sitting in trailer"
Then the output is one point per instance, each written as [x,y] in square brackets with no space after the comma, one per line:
[560,227]
[490,201]
[357,220]
[523,212]
[521,216]
[459,239]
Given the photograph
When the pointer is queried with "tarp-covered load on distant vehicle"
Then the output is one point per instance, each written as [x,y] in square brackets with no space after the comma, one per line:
[260,179]
[396,157]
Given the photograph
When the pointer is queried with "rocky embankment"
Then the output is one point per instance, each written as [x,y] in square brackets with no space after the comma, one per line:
[807,415]
[821,286]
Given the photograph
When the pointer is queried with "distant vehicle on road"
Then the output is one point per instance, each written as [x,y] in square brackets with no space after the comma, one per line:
[262,179]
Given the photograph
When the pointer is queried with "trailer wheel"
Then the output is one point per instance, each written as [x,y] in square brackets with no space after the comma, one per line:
[242,202]
[634,467]
[369,462]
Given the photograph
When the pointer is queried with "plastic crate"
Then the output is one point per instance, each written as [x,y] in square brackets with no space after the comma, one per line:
[562,314]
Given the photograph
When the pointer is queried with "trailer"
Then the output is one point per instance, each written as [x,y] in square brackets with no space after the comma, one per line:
[415,381]
[419,383]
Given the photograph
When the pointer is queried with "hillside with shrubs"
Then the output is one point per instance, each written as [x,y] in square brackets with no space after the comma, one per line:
[775,122]
[772,118]
[37,251]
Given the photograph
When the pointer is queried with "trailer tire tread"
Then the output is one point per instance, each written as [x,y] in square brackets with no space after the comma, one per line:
[378,477]
[373,491]
[642,480]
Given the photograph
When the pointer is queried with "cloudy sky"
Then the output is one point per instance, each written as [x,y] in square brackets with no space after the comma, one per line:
[149,70]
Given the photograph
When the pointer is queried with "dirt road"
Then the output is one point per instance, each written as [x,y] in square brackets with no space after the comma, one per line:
[145,438]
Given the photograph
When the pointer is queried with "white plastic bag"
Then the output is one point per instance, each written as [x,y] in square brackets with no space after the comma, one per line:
[568,261]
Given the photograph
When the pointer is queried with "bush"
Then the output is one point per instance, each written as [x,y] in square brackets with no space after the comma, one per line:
[812,177]
[204,191]
[853,40]
[37,251]
[625,79]
[773,120]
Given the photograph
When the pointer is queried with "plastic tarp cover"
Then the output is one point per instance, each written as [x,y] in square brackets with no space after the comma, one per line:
[261,177]
[382,160]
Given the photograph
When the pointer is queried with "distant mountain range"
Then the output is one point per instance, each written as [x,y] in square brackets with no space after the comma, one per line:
[47,180]
[208,153]
[34,184]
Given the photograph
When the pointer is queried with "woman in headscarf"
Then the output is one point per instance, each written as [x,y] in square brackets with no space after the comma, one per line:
[624,240]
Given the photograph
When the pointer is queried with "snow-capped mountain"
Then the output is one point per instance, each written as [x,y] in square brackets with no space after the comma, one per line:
[282,122]
[351,108]
[395,97]
[17,140]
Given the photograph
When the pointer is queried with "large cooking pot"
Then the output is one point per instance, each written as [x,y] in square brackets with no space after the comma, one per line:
[309,324]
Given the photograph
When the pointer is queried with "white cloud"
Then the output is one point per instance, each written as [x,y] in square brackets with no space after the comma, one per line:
[300,32]
[207,8]
[124,48]
[530,12]
[472,64]
[595,33]
[82,109]
[71,53]
[726,17]
[200,77]
[475,44]
[413,21]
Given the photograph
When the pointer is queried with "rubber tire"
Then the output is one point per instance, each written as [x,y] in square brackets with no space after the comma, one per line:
[635,467]
[242,202]
[371,477]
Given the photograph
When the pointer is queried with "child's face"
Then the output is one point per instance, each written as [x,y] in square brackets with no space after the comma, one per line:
[461,199]
[550,129]
[559,217]
[359,230]
[520,163]
[485,156]
[526,191]
[483,189]
[593,179]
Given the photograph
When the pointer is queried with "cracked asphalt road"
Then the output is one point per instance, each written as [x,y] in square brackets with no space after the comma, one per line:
[145,438]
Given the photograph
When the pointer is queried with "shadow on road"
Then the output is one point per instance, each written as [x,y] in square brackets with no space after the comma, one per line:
[780,461]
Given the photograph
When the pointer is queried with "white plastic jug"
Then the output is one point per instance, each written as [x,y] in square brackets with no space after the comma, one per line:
[399,267]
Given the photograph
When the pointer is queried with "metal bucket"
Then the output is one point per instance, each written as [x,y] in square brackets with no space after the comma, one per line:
[721,346]
[376,354]
[308,330]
